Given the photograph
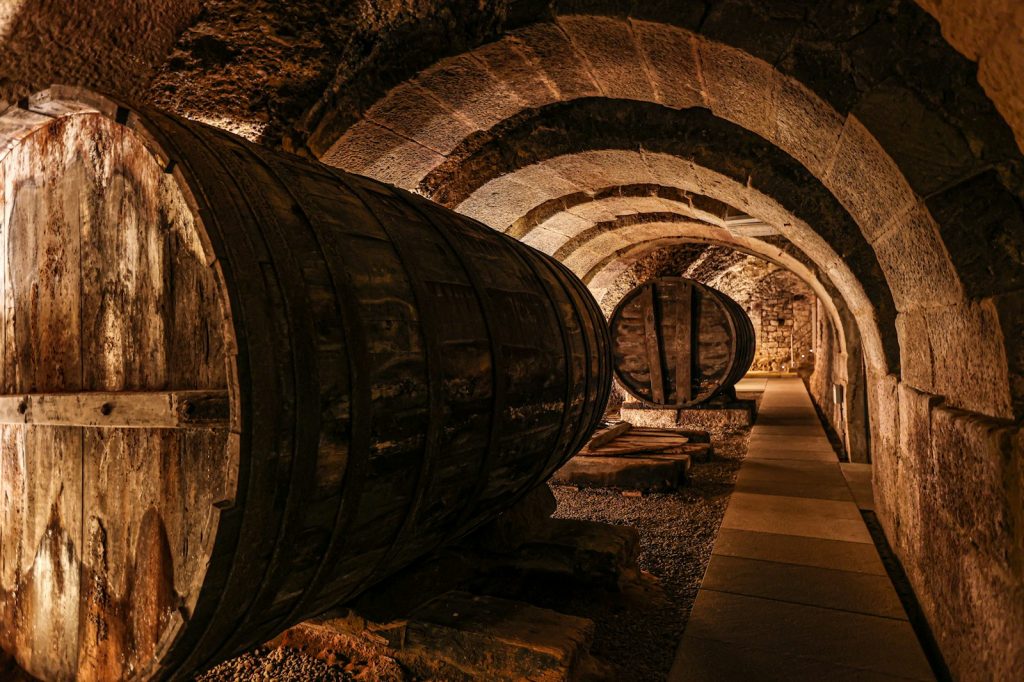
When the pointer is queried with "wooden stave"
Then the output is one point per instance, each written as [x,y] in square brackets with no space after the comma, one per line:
[266,360]
[746,341]
[743,343]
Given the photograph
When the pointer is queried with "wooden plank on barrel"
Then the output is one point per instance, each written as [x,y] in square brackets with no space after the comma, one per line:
[652,344]
[684,343]
[130,409]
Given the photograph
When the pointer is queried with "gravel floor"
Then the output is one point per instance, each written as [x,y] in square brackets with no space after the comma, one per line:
[638,635]
[280,665]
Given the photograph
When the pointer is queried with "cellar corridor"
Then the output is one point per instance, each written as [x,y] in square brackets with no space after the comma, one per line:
[795,588]
[402,340]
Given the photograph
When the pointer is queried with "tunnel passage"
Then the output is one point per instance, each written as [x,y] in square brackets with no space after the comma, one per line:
[836,158]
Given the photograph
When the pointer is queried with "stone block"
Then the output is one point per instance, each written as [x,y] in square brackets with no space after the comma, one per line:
[916,264]
[606,168]
[883,406]
[550,50]
[589,552]
[368,149]
[544,240]
[648,474]
[501,201]
[471,91]
[915,350]
[807,127]
[592,253]
[567,224]
[966,560]
[984,501]
[672,55]
[866,180]
[413,112]
[459,636]
[507,62]
[740,88]
[607,45]
[969,358]
[712,417]
[913,467]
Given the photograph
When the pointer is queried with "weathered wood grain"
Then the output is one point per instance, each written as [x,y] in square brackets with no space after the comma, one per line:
[130,409]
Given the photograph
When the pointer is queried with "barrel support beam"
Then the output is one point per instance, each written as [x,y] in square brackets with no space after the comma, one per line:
[141,409]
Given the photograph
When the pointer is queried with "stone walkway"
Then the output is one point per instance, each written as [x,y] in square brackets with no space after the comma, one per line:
[795,589]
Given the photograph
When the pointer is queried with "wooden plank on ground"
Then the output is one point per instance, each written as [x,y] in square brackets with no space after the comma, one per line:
[609,434]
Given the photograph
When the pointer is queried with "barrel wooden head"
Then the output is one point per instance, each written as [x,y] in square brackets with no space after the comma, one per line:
[676,342]
[239,387]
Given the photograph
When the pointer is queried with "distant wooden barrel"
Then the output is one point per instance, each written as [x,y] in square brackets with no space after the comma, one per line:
[676,342]
[240,387]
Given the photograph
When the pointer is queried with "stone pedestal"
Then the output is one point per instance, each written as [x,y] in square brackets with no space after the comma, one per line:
[716,417]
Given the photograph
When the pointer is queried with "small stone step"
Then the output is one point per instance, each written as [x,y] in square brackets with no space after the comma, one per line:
[647,473]
[591,552]
[461,636]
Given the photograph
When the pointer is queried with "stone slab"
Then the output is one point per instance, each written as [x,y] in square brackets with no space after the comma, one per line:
[762,429]
[707,417]
[815,491]
[881,645]
[791,442]
[708,660]
[827,519]
[800,550]
[782,452]
[797,471]
[828,588]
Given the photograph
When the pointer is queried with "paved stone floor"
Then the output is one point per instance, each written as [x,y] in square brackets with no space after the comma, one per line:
[795,589]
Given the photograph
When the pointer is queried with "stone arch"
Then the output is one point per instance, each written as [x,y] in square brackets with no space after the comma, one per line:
[423,122]
[547,181]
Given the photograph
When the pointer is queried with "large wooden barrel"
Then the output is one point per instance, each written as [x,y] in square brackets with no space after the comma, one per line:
[676,342]
[240,387]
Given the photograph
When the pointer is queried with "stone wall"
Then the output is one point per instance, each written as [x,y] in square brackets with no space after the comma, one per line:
[107,45]
[781,308]
[828,373]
